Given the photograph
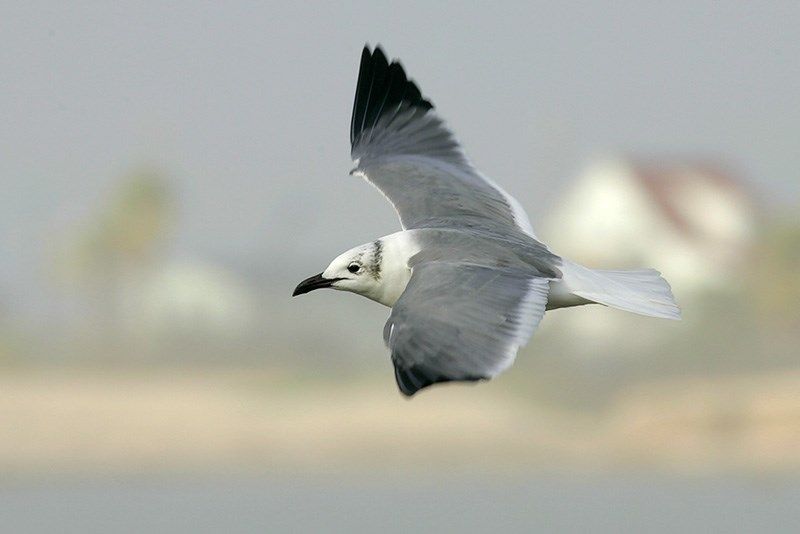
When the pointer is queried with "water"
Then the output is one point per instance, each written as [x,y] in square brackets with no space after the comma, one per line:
[402,504]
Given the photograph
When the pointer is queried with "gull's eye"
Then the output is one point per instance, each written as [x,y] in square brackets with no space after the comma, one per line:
[354,268]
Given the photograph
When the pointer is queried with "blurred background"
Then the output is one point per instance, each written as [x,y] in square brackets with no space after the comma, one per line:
[170,172]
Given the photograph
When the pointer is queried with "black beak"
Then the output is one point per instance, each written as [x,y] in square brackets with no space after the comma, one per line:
[312,283]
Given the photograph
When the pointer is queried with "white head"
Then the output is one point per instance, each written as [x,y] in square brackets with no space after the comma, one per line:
[363,270]
[358,270]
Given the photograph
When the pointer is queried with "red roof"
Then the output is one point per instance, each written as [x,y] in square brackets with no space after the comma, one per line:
[666,184]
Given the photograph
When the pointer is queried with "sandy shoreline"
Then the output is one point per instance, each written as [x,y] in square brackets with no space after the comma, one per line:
[179,420]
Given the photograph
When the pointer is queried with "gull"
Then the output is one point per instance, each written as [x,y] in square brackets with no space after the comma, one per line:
[466,279]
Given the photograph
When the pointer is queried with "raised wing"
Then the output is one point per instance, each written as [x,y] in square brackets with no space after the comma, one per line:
[403,148]
[461,322]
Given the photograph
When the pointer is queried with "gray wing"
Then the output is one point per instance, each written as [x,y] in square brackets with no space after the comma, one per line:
[461,322]
[403,148]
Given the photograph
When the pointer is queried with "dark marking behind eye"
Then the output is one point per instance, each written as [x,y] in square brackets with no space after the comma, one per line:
[377,256]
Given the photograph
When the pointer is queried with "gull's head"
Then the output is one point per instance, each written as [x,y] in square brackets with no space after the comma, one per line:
[358,270]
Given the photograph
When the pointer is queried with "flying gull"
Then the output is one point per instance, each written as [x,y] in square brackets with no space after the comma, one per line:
[467,279]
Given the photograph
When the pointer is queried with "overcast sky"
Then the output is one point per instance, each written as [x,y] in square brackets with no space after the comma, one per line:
[246,106]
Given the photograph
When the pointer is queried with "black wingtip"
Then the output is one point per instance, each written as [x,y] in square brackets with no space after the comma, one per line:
[381,88]
[379,54]
[415,378]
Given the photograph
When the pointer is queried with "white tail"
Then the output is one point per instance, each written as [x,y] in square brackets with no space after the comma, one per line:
[642,291]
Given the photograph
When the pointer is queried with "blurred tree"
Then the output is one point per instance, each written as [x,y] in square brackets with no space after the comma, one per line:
[134,224]
[776,282]
[118,244]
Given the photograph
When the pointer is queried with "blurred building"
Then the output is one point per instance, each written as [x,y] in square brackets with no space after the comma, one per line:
[692,221]
[188,300]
